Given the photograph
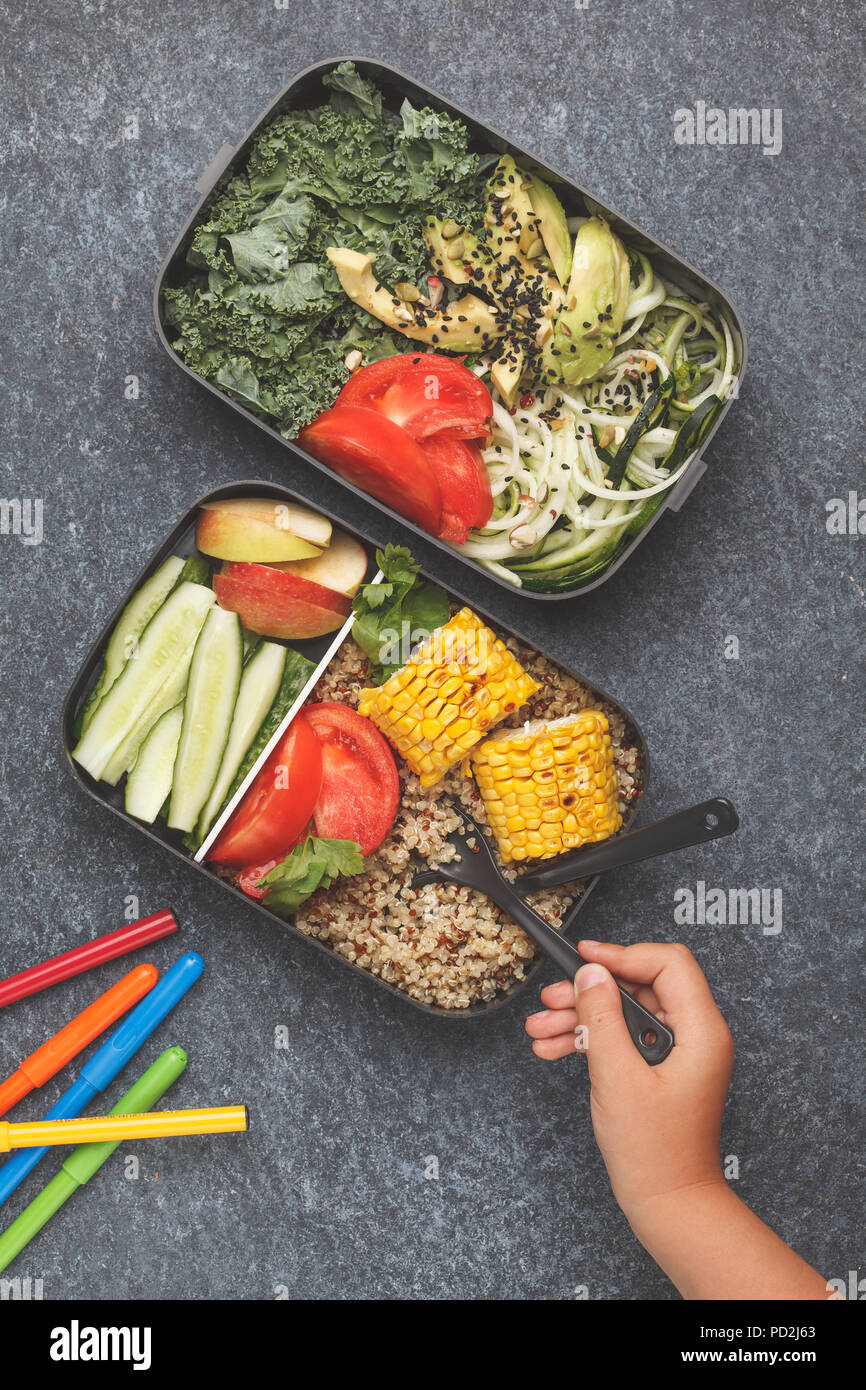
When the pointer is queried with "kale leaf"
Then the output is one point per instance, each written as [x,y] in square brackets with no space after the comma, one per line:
[261,312]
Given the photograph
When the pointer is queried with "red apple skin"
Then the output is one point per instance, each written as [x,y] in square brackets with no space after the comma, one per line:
[276,604]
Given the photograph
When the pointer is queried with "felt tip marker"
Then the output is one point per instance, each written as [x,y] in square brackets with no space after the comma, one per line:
[54,1054]
[156,1124]
[105,1064]
[87,1159]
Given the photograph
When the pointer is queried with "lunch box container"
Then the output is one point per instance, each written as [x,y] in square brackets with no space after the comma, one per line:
[181,541]
[306,91]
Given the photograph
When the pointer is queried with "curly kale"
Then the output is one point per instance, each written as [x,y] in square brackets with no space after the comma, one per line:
[261,312]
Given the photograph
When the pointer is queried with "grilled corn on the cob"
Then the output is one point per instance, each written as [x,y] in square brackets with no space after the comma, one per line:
[459,683]
[549,786]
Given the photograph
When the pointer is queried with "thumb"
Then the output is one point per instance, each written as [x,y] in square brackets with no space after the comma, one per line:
[607,1041]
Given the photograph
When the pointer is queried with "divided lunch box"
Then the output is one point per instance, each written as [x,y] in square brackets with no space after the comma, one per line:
[305,91]
[181,541]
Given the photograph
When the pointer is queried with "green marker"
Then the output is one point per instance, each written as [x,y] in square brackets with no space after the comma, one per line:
[87,1159]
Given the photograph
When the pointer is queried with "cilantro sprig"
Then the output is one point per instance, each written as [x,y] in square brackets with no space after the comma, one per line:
[397,613]
[314,864]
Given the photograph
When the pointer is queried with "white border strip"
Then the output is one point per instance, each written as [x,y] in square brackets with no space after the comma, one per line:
[299,700]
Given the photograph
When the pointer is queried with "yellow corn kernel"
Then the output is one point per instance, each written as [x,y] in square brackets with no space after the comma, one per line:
[460,683]
[549,786]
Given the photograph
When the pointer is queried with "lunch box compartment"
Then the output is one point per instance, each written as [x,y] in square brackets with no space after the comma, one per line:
[181,541]
[306,91]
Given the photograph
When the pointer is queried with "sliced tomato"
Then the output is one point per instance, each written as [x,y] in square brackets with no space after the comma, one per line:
[372,452]
[464,485]
[360,789]
[425,393]
[249,880]
[277,808]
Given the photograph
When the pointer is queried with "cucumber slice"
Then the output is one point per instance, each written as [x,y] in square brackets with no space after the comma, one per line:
[150,780]
[574,577]
[261,679]
[651,414]
[578,552]
[195,571]
[128,628]
[171,692]
[162,647]
[688,438]
[296,673]
[211,695]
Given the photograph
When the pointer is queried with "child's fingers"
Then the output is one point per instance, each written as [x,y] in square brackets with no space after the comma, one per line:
[552,1022]
[558,996]
[646,995]
[677,981]
[551,1049]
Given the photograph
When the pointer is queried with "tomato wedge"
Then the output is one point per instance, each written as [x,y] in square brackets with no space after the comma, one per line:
[277,808]
[360,789]
[464,485]
[249,880]
[369,450]
[425,393]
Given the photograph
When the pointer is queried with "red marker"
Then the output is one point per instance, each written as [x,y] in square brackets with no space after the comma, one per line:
[104,948]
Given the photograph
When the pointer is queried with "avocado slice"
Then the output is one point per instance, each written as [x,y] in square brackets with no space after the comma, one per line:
[467,324]
[513,228]
[442,244]
[585,331]
[554,227]
[507,370]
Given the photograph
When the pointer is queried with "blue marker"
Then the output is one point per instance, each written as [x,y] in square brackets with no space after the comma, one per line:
[104,1065]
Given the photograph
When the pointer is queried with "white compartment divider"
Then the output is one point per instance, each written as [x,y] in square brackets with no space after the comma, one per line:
[300,699]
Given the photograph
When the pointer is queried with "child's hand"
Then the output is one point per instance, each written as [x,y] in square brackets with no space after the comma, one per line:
[657,1127]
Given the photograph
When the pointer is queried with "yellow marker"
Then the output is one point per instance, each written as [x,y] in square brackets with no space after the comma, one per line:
[158,1124]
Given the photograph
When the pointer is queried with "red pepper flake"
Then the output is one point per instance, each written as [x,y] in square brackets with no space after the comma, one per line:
[527,400]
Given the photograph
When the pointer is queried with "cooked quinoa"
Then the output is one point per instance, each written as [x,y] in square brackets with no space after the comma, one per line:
[445,945]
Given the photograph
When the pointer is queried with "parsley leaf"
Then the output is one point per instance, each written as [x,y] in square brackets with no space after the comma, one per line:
[314,864]
[397,613]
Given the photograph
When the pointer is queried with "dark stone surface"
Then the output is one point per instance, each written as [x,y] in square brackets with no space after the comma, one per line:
[327,1196]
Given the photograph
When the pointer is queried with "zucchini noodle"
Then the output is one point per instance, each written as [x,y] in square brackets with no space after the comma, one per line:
[557,518]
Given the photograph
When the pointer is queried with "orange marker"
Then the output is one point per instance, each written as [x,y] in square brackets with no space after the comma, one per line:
[53,1055]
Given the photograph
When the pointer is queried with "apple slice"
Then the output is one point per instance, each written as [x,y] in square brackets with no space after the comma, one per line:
[259,530]
[276,604]
[285,516]
[342,566]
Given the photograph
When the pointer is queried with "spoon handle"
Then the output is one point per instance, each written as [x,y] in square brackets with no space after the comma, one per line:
[709,820]
[651,1038]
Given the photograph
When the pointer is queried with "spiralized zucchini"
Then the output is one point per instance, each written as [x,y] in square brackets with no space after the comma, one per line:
[556,513]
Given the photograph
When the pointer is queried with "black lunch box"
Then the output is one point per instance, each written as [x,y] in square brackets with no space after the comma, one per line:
[305,91]
[181,541]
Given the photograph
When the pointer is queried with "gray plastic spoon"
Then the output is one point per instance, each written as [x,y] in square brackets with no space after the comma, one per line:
[475,868]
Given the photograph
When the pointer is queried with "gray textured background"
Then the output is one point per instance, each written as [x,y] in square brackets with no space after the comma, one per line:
[326,1196]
